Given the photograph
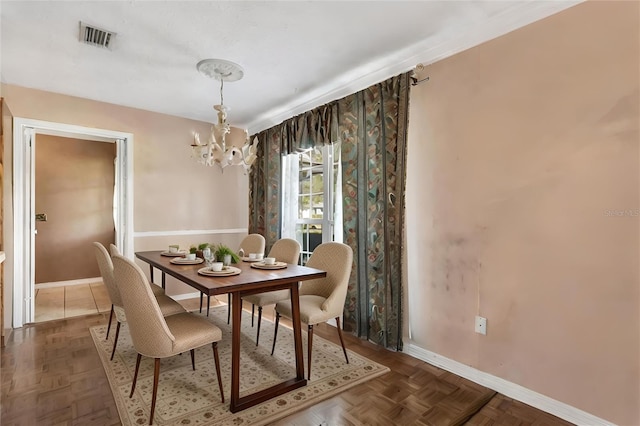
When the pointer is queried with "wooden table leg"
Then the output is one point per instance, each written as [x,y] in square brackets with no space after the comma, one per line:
[237,403]
[164,280]
[236,309]
[151,273]
[297,331]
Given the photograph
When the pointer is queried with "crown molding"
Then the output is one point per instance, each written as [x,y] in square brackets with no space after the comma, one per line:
[426,52]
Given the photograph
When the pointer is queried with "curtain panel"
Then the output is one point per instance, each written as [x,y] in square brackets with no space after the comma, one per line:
[371,126]
[264,187]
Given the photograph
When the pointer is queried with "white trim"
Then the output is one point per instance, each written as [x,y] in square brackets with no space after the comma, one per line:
[510,389]
[145,234]
[426,52]
[185,296]
[23,225]
[195,295]
[20,271]
[68,283]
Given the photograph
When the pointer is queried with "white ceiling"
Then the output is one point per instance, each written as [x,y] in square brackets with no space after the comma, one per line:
[296,55]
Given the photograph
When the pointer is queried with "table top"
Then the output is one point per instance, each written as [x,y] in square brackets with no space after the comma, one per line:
[248,281]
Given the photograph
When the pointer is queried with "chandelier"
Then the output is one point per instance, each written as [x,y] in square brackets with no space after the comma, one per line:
[216,151]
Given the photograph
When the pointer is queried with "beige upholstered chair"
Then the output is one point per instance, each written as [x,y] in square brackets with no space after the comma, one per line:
[156,336]
[284,250]
[114,250]
[252,243]
[168,306]
[322,299]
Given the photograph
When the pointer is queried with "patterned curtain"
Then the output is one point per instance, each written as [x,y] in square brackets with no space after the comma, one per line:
[264,187]
[371,126]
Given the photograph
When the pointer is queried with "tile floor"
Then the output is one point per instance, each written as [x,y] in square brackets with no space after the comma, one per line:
[71,301]
[86,299]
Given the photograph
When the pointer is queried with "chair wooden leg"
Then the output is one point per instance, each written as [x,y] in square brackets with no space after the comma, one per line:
[259,320]
[275,333]
[309,351]
[217,360]
[201,294]
[193,359]
[208,303]
[109,326]
[253,313]
[135,376]
[115,341]
[228,308]
[156,374]
[344,349]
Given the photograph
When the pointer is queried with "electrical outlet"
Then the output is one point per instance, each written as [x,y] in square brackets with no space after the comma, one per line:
[481,325]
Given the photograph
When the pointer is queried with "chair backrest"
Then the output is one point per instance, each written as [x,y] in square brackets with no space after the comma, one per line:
[252,243]
[149,332]
[336,259]
[286,250]
[114,250]
[106,270]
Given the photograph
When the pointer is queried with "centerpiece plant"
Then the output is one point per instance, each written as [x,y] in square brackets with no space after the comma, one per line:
[197,250]
[222,250]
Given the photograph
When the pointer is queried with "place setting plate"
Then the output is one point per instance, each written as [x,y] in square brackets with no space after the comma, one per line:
[230,271]
[248,259]
[183,261]
[262,265]
[173,254]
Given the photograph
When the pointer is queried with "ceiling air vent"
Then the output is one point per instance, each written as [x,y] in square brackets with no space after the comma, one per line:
[96,36]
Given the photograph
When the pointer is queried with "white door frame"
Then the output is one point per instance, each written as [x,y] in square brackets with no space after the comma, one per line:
[23,196]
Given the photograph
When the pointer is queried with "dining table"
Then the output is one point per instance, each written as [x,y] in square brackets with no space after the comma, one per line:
[250,280]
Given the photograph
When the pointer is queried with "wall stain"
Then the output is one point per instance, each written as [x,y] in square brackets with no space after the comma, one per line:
[454,261]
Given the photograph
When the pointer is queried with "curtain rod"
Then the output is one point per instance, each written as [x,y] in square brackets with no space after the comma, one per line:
[414,80]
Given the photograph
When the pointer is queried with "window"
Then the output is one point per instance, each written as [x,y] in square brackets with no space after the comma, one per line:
[312,197]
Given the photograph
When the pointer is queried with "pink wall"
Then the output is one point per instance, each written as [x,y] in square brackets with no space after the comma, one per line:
[519,150]
[172,193]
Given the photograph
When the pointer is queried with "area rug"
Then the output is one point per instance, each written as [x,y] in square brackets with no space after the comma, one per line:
[187,397]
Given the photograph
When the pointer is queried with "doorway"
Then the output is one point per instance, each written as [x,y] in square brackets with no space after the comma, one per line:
[74,192]
[25,138]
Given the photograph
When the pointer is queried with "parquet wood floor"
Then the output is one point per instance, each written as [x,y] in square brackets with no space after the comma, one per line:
[51,375]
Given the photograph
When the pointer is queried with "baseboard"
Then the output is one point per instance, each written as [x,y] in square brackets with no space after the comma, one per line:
[68,283]
[185,296]
[512,390]
[6,336]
